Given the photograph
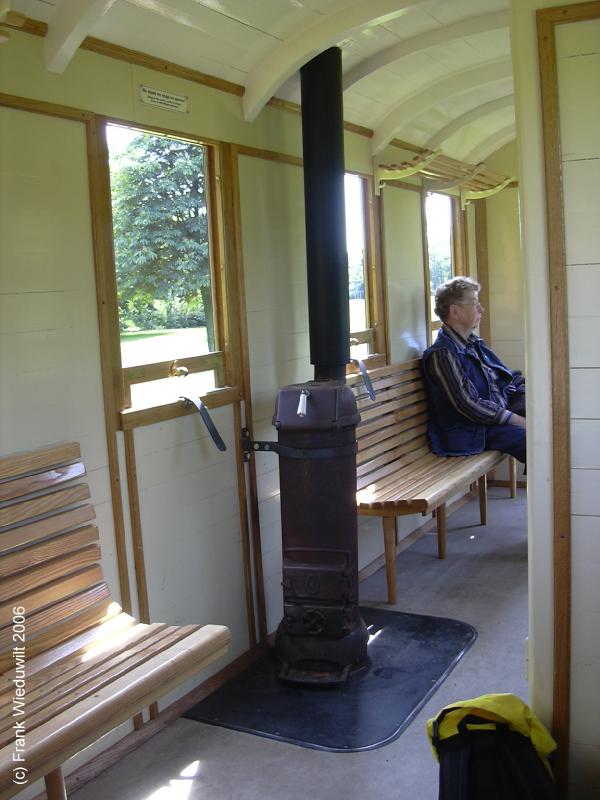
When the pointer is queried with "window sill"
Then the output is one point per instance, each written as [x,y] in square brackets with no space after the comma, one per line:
[138,417]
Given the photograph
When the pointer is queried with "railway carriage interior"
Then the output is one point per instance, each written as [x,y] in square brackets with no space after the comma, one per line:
[162,220]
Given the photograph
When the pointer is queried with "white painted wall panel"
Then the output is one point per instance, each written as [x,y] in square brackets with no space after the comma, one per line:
[49,350]
[585,496]
[50,389]
[578,48]
[505,268]
[584,351]
[273,242]
[578,67]
[584,289]
[585,435]
[403,247]
[582,209]
[585,393]
[191,526]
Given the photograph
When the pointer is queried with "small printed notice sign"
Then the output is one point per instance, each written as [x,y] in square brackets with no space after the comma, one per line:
[157,97]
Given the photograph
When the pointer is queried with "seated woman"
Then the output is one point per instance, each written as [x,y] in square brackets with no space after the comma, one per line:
[476,403]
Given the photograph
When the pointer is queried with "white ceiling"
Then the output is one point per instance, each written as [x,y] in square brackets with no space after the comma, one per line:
[431,72]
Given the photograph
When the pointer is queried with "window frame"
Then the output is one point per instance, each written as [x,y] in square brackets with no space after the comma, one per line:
[458,252]
[220,360]
[375,333]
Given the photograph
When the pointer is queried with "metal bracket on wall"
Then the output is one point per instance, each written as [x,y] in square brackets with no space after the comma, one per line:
[397,172]
[317,453]
[466,195]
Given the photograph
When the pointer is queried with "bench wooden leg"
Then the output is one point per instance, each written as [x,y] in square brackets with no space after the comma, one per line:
[55,785]
[389,543]
[512,475]
[441,530]
[483,499]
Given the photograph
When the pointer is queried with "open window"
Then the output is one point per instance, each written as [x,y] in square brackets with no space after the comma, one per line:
[444,226]
[361,268]
[166,246]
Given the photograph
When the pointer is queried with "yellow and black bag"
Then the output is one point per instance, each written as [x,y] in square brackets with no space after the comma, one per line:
[492,748]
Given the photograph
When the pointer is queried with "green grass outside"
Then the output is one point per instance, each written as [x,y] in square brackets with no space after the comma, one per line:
[149,347]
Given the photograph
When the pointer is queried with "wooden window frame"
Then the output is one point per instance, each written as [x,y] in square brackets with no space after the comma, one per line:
[219,361]
[458,251]
[375,333]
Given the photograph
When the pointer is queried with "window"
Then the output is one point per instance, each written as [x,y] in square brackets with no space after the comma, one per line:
[164,242]
[440,219]
[362,290]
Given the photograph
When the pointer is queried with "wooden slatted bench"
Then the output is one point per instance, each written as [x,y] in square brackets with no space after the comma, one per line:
[397,473]
[73,665]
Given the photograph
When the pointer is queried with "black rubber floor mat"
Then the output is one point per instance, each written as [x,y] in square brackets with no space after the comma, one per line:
[410,654]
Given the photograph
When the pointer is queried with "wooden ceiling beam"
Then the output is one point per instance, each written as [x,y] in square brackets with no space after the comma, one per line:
[71,22]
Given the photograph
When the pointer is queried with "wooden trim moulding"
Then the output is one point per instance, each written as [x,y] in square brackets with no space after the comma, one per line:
[559,344]
[579,12]
[233,244]
[112,386]
[42,107]
[245,528]
[458,238]
[138,550]
[411,187]
[136,527]
[142,373]
[140,59]
[427,277]
[137,417]
[483,271]
[158,130]
[269,155]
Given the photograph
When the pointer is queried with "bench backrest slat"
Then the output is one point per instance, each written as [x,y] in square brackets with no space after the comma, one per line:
[59,622]
[52,569]
[393,448]
[40,481]
[50,559]
[48,550]
[407,460]
[393,427]
[42,529]
[39,506]
[38,460]
[396,406]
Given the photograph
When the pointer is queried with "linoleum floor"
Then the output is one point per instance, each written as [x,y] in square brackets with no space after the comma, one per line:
[483,581]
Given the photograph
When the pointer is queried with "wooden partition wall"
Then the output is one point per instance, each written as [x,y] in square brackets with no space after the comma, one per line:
[561,153]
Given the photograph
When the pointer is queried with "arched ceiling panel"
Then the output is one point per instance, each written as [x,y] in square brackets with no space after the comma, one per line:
[456,84]
[494,142]
[468,118]
[294,52]
[464,141]
[405,62]
[438,36]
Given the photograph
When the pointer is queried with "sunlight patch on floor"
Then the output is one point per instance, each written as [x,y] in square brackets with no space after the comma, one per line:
[178,788]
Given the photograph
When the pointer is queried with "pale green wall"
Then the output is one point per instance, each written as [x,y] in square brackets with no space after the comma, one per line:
[504,261]
[582,231]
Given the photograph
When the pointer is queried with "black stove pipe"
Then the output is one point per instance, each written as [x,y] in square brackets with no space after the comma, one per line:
[327,258]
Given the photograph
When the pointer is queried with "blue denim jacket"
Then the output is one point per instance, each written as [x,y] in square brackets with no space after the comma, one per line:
[451,433]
